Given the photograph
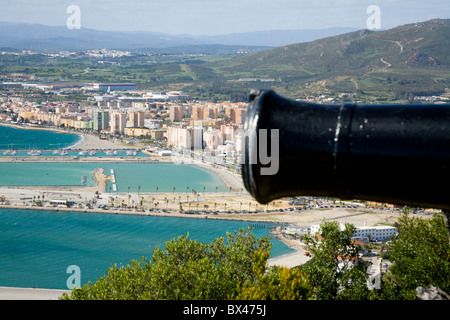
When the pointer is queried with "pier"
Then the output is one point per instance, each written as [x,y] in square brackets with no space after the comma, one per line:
[113,179]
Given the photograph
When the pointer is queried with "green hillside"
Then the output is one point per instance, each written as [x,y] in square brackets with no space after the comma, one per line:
[393,64]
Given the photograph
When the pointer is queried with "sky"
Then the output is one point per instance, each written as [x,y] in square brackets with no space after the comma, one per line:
[214,17]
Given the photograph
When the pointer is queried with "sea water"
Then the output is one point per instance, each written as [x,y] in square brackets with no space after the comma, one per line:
[150,177]
[37,247]
[15,138]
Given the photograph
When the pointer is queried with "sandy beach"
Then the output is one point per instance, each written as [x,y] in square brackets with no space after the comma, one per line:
[92,142]
[11,293]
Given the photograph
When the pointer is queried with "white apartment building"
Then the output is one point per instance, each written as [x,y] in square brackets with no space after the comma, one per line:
[212,139]
[185,138]
[117,122]
[378,233]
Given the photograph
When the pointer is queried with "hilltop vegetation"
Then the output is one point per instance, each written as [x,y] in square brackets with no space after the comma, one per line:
[394,64]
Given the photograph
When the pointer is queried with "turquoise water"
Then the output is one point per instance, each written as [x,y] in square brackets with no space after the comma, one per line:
[148,176]
[46,174]
[37,247]
[73,154]
[165,176]
[13,138]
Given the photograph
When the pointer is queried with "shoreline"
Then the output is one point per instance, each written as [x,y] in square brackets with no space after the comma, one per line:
[289,260]
[18,126]
[19,293]
[86,142]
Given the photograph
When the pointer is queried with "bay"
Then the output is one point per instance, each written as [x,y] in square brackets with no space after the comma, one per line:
[38,246]
[149,176]
[22,139]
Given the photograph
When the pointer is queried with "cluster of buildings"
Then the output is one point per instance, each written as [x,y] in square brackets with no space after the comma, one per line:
[119,110]
[210,126]
[365,234]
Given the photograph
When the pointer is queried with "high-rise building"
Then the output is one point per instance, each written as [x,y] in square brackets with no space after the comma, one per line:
[210,113]
[186,138]
[101,120]
[197,113]
[235,115]
[118,121]
[240,115]
[136,119]
[175,113]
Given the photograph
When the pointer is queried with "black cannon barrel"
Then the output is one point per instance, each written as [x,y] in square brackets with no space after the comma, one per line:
[388,153]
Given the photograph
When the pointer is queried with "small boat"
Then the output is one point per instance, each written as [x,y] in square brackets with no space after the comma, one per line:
[35,152]
[92,153]
[131,153]
[10,152]
[83,153]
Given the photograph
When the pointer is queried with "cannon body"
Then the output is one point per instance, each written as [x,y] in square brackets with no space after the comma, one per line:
[388,153]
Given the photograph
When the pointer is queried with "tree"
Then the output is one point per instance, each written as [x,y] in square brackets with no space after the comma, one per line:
[420,256]
[335,271]
[186,269]
[278,283]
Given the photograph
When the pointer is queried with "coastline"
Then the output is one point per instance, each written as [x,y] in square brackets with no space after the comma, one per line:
[289,260]
[17,293]
[235,200]
[16,126]
[86,141]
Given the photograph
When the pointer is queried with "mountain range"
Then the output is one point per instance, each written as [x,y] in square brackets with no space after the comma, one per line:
[42,37]
[407,60]
[396,64]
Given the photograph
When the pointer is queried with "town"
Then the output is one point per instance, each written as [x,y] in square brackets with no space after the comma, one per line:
[113,113]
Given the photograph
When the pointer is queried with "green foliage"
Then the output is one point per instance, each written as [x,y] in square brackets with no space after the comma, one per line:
[185,270]
[335,272]
[420,256]
[279,283]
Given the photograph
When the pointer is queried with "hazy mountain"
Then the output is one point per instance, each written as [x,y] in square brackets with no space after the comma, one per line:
[275,38]
[41,37]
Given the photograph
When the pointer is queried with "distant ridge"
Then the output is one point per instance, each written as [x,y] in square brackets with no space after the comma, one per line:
[42,37]
[408,60]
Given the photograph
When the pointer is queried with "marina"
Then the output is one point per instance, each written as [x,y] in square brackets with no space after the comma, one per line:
[117,153]
[150,177]
[92,174]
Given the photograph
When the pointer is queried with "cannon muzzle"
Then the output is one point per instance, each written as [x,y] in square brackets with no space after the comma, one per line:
[397,154]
